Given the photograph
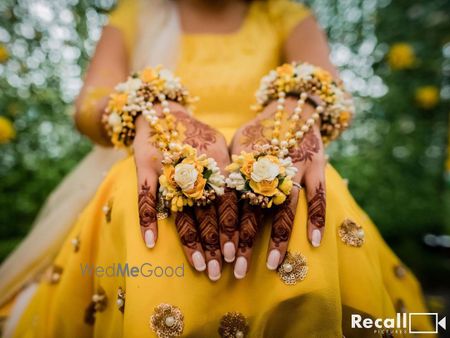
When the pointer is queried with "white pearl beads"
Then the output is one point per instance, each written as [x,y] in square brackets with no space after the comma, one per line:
[293,135]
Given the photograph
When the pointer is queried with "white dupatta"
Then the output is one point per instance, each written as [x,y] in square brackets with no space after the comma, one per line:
[157,43]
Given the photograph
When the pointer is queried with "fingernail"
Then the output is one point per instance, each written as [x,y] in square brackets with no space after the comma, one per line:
[316,238]
[149,239]
[214,270]
[240,268]
[229,252]
[199,261]
[273,259]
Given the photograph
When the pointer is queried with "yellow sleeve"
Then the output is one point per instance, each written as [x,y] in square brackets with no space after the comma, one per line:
[124,17]
[286,14]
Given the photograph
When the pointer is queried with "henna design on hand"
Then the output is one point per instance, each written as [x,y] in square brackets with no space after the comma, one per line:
[316,207]
[253,134]
[305,151]
[282,224]
[209,230]
[147,206]
[198,134]
[185,224]
[251,217]
[228,212]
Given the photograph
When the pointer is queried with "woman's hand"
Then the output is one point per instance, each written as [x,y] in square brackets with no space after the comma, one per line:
[203,231]
[309,158]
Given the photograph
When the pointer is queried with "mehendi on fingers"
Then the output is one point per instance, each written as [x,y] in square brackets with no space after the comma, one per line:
[228,213]
[316,207]
[147,206]
[185,224]
[305,151]
[209,230]
[282,224]
[197,134]
[251,216]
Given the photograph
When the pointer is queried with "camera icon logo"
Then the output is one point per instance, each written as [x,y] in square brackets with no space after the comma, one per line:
[434,318]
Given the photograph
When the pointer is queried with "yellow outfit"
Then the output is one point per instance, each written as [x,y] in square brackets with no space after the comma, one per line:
[224,71]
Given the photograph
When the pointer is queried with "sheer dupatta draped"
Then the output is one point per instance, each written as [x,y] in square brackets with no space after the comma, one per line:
[157,43]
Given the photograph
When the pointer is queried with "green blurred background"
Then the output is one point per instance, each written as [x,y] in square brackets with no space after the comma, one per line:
[393,55]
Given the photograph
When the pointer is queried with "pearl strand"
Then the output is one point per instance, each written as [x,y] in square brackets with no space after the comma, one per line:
[292,137]
[170,137]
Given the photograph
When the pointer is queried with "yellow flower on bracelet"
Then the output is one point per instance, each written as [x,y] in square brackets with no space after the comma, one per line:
[279,198]
[187,178]
[197,189]
[264,177]
[323,76]
[286,186]
[261,178]
[148,75]
[169,174]
[118,101]
[265,188]
[286,69]
[247,164]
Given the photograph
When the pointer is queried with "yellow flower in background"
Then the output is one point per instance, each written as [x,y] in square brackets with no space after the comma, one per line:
[4,54]
[7,131]
[401,56]
[427,97]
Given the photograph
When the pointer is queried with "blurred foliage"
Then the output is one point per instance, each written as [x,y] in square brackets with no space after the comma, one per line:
[44,47]
[393,55]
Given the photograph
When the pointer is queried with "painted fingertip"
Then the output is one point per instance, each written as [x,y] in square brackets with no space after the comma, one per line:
[229,252]
[240,268]
[199,261]
[214,270]
[149,239]
[273,259]
[316,238]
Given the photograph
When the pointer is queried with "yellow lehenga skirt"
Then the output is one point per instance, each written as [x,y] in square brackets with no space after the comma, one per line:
[352,272]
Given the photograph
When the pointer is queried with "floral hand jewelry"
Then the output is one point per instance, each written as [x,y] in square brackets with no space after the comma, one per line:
[264,176]
[333,106]
[188,178]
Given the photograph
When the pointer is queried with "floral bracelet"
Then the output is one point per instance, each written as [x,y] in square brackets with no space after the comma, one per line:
[264,176]
[296,78]
[188,179]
